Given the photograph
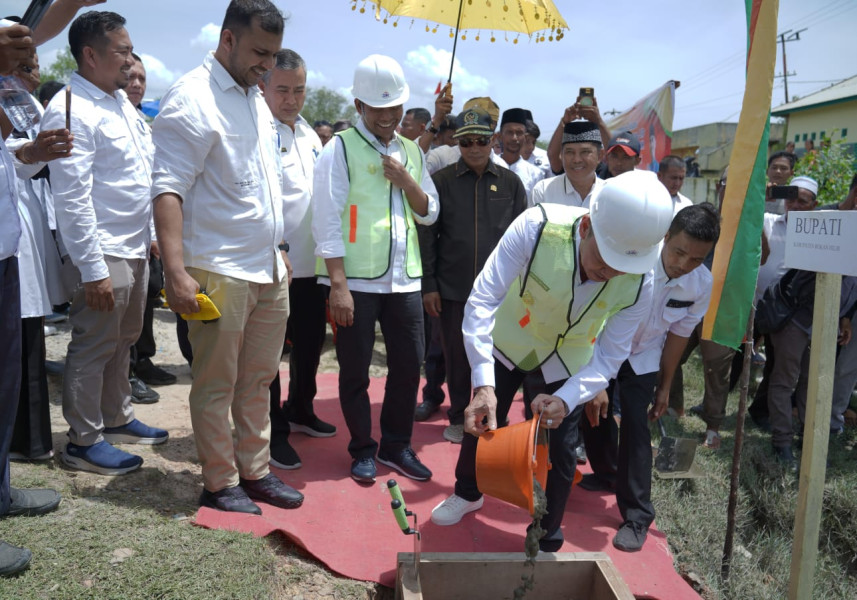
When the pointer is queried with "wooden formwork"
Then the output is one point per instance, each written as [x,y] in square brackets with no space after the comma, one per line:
[494,576]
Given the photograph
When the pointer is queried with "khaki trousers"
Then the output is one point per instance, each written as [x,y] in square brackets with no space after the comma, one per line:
[234,361]
[96,393]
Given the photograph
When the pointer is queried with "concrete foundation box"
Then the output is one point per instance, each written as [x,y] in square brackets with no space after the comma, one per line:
[495,576]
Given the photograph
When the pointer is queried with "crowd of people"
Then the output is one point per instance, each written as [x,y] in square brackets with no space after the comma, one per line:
[490,262]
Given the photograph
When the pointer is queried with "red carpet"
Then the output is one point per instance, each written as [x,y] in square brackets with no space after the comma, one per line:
[351,529]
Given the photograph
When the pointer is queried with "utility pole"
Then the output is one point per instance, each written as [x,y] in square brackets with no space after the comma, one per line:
[788,36]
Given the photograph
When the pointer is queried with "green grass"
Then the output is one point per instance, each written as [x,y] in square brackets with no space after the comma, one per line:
[692,513]
[74,548]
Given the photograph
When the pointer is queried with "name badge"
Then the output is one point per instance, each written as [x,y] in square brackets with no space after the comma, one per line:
[673,303]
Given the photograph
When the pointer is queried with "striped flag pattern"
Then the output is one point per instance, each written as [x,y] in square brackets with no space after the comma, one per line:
[736,258]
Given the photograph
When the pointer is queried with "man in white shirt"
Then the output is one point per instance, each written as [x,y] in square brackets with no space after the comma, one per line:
[671,172]
[513,133]
[219,217]
[101,198]
[16,48]
[581,153]
[596,264]
[682,289]
[284,88]
[371,189]
[533,154]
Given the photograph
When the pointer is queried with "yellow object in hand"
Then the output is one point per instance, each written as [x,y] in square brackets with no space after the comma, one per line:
[207,310]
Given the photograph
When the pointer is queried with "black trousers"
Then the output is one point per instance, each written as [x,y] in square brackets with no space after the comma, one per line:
[32,433]
[435,366]
[306,330]
[401,319]
[457,365]
[628,463]
[758,409]
[145,346]
[10,366]
[184,342]
[563,440]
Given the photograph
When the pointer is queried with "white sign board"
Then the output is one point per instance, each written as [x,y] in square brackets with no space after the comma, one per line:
[824,241]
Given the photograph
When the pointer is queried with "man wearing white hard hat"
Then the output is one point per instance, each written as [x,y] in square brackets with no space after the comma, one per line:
[562,293]
[371,189]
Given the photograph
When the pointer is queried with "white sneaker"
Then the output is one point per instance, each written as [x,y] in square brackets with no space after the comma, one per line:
[454,433]
[450,511]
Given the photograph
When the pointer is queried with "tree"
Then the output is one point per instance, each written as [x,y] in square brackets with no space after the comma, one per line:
[324,104]
[61,69]
[832,167]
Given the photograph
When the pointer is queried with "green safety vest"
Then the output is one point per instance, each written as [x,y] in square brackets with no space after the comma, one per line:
[534,320]
[366,220]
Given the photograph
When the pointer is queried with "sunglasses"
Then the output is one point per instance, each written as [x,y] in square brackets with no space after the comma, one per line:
[467,142]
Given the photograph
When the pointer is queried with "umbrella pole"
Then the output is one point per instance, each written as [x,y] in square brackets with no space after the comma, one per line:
[455,43]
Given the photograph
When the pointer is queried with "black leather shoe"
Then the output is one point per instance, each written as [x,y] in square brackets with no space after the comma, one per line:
[142,393]
[363,470]
[13,559]
[29,503]
[425,410]
[630,537]
[272,491]
[152,374]
[406,463]
[696,410]
[231,499]
[593,483]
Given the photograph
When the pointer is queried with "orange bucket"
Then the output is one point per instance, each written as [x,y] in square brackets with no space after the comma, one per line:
[508,458]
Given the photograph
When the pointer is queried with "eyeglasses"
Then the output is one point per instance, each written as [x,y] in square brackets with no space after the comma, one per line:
[467,142]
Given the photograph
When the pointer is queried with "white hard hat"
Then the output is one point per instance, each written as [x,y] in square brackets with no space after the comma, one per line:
[380,82]
[630,216]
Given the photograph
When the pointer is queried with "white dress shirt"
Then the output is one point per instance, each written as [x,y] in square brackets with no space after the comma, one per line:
[38,259]
[299,150]
[680,201]
[101,192]
[774,227]
[216,148]
[442,156]
[558,190]
[678,305]
[330,193]
[10,225]
[539,159]
[530,174]
[508,261]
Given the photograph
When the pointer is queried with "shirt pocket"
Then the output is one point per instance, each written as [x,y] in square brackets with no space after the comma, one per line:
[238,163]
[116,142]
[674,315]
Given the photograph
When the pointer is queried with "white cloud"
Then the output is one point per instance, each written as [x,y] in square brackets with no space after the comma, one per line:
[207,37]
[427,65]
[316,78]
[158,76]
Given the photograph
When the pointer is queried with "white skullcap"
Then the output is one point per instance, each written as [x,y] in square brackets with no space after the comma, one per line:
[807,183]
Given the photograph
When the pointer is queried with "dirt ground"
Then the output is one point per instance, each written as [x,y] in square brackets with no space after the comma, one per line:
[177,460]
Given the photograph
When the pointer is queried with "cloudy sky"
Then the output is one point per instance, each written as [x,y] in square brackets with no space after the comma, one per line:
[622,48]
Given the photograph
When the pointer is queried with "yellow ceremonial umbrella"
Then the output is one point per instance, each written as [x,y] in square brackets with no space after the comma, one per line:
[539,19]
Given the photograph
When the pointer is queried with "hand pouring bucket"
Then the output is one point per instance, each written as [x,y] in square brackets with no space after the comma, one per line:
[507,460]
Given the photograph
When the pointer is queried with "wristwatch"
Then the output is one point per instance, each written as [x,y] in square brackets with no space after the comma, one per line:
[284,247]
[432,129]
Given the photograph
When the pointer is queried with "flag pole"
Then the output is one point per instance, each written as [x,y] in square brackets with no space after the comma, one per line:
[455,43]
[728,544]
